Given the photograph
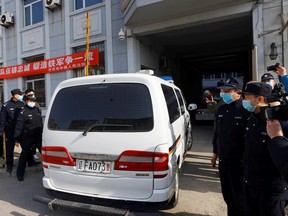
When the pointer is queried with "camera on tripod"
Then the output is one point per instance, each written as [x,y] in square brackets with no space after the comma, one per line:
[273,67]
[279,112]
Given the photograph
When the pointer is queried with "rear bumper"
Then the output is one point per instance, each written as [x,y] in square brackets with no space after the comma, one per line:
[156,202]
[81,207]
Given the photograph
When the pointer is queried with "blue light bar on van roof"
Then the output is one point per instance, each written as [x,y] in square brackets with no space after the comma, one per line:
[168,78]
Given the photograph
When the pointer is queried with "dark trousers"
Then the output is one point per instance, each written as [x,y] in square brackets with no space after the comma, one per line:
[27,143]
[10,145]
[30,158]
[232,186]
[261,201]
[1,147]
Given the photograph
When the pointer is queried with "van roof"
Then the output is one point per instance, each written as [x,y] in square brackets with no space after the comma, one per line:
[120,77]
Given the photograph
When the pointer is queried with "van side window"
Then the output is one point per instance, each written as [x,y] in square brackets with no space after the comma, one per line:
[171,101]
[114,107]
[181,101]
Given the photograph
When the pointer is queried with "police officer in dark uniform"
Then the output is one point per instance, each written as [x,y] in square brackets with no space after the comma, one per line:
[278,147]
[269,79]
[265,189]
[8,115]
[228,147]
[28,132]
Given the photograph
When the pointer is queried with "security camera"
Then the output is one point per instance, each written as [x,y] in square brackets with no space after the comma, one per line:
[121,34]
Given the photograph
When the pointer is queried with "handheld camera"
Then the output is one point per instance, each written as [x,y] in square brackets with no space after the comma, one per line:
[273,67]
[279,112]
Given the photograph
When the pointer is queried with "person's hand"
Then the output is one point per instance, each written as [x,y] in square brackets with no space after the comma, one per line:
[280,71]
[207,100]
[17,144]
[274,128]
[213,160]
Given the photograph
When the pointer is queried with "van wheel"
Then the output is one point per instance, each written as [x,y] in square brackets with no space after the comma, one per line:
[190,140]
[174,201]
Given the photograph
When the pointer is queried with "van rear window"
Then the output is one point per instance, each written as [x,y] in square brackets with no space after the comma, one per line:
[117,107]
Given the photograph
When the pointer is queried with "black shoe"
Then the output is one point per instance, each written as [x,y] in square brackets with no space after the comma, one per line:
[20,178]
[9,170]
[33,163]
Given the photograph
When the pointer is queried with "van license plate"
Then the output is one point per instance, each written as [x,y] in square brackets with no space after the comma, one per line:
[93,166]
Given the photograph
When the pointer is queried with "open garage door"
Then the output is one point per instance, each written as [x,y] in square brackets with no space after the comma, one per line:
[199,56]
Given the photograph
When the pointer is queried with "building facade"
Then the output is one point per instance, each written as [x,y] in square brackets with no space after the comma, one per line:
[180,38]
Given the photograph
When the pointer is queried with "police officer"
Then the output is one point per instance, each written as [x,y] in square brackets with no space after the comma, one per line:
[228,147]
[28,132]
[265,189]
[269,79]
[278,147]
[33,159]
[8,115]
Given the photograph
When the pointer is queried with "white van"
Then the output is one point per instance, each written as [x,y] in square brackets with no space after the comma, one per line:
[118,138]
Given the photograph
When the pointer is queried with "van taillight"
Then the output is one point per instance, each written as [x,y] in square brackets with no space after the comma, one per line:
[57,155]
[142,161]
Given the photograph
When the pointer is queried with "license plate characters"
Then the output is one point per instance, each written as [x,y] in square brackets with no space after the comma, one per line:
[94,166]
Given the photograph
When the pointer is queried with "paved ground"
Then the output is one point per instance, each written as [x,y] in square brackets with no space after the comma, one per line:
[17,151]
[200,192]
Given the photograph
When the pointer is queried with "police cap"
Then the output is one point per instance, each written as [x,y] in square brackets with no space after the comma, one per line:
[16,91]
[230,83]
[257,88]
[266,76]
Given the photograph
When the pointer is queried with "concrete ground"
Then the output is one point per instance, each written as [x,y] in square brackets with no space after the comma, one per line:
[17,152]
[200,187]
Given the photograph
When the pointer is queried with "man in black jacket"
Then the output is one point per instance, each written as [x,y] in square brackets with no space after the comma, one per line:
[8,115]
[228,147]
[278,147]
[265,189]
[28,132]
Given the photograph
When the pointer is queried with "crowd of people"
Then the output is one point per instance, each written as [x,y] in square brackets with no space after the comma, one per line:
[21,125]
[251,149]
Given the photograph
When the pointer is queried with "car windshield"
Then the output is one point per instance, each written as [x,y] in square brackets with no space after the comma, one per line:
[117,107]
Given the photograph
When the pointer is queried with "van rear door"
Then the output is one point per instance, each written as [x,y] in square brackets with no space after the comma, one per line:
[95,128]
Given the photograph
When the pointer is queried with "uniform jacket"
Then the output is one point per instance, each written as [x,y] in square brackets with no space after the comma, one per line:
[228,141]
[259,169]
[29,123]
[9,113]
[278,148]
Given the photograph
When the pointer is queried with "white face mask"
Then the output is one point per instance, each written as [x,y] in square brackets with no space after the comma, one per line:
[31,104]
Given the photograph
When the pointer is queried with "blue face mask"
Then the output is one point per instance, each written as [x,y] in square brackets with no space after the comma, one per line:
[227,98]
[248,106]
[20,98]
[271,83]
[221,94]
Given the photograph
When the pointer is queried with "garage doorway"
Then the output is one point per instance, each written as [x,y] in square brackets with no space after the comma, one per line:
[220,48]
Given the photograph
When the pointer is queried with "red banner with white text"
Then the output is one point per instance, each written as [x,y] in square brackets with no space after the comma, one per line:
[62,63]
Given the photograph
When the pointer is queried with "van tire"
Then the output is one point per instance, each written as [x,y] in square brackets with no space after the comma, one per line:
[174,201]
[189,141]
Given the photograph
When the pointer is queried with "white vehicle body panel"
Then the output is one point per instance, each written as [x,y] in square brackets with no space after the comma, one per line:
[118,184]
